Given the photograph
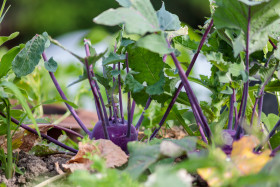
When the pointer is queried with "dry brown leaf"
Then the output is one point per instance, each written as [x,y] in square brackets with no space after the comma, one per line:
[23,139]
[243,162]
[245,159]
[106,149]
[76,166]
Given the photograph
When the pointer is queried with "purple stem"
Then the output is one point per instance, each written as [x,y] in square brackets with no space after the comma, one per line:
[193,100]
[142,115]
[115,110]
[246,85]
[274,46]
[132,110]
[274,151]
[69,131]
[43,135]
[108,98]
[230,118]
[120,93]
[70,108]
[128,102]
[260,96]
[260,104]
[95,94]
[187,74]
[95,88]
[235,111]
[272,132]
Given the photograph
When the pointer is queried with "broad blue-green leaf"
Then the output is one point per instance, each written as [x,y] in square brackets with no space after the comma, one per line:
[167,21]
[132,84]
[124,3]
[6,61]
[155,43]
[140,18]
[51,65]
[233,14]
[166,176]
[148,64]
[113,58]
[28,58]
[158,87]
[270,121]
[235,69]
[4,39]
[141,157]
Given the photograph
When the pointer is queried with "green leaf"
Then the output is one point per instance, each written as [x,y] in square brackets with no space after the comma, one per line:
[6,61]
[124,3]
[132,84]
[233,14]
[235,69]
[141,157]
[167,21]
[158,87]
[155,43]
[104,81]
[24,104]
[51,65]
[28,58]
[140,18]
[186,42]
[148,64]
[42,150]
[274,140]
[224,77]
[217,60]
[4,39]
[166,176]
[59,100]
[113,58]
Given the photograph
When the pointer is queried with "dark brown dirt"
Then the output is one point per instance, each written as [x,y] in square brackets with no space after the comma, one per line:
[34,167]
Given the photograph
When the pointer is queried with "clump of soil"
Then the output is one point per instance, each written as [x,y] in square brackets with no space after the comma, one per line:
[33,167]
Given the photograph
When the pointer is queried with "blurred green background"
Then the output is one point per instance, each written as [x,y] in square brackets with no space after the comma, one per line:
[62,16]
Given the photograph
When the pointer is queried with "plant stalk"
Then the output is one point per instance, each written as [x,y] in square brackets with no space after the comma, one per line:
[43,135]
[142,115]
[231,108]
[70,108]
[94,91]
[177,92]
[120,93]
[128,102]
[246,85]
[9,165]
[95,88]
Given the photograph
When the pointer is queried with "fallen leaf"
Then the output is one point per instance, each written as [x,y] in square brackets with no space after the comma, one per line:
[106,149]
[245,159]
[23,139]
